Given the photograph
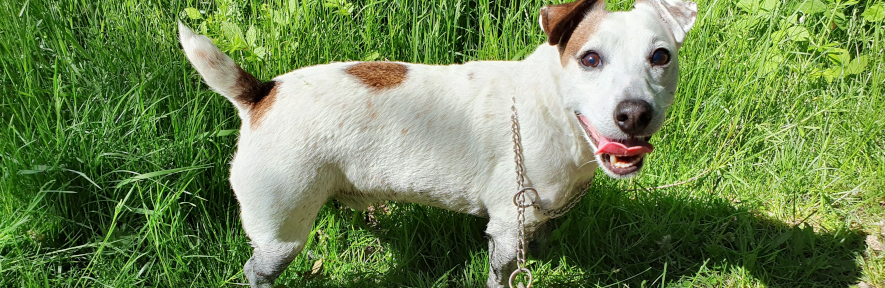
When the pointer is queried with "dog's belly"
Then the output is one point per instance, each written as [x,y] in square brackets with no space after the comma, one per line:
[435,161]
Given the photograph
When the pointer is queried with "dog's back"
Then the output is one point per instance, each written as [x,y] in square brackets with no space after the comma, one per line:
[369,131]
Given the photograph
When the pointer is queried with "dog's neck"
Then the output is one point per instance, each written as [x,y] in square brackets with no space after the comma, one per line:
[545,67]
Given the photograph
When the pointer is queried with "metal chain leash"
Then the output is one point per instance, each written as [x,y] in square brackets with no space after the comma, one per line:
[520,201]
[555,213]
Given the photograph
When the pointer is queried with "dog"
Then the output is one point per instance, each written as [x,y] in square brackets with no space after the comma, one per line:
[363,132]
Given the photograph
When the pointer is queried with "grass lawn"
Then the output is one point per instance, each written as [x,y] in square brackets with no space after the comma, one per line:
[113,153]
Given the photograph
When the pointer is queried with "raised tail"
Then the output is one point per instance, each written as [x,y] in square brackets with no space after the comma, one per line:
[220,72]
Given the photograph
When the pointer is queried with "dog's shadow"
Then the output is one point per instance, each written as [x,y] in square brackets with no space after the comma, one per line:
[617,238]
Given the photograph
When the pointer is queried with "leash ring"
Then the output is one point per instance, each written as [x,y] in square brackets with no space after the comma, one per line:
[522,193]
[519,271]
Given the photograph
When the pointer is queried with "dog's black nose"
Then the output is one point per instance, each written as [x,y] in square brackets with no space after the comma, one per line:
[633,116]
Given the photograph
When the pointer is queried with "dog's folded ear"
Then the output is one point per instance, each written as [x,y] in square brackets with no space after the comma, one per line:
[678,15]
[559,21]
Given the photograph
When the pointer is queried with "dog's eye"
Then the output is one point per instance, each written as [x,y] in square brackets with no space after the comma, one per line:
[591,59]
[660,57]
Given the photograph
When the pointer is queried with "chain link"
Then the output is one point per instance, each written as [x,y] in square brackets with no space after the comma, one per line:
[520,201]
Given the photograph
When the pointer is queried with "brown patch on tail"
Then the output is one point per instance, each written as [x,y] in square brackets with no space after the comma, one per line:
[379,75]
[260,108]
[258,96]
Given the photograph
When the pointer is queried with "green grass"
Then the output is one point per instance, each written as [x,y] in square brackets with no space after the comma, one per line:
[114,155]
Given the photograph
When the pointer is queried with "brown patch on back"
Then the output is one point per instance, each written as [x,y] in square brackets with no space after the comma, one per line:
[379,75]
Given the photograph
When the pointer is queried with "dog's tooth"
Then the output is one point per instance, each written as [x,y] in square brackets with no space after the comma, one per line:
[635,160]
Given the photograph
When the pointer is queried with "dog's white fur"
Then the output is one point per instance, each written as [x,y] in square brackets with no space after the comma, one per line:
[441,137]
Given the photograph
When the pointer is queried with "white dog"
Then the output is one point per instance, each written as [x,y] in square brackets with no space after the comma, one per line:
[364,132]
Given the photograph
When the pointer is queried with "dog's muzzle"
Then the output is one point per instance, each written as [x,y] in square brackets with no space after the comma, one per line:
[621,157]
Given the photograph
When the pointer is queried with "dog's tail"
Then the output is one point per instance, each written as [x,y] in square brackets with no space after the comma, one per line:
[220,72]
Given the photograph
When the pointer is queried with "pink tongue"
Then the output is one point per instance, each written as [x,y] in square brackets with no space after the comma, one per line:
[621,148]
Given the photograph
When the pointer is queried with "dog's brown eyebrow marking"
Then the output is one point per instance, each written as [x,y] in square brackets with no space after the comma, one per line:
[570,25]
[379,75]
[258,96]
[588,26]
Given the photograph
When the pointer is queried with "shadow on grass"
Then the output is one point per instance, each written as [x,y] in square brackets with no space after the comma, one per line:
[624,239]
[631,237]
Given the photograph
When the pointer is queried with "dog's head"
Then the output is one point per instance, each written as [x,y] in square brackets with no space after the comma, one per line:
[619,72]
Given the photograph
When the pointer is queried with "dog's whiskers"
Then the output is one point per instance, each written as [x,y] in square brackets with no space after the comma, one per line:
[588,162]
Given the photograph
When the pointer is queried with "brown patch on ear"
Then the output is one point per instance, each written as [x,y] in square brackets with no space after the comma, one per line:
[571,24]
[260,108]
[379,75]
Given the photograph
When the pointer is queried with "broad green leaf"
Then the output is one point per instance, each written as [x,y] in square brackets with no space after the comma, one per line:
[839,56]
[857,66]
[798,34]
[372,57]
[839,19]
[874,13]
[832,73]
[751,6]
[280,18]
[769,5]
[745,23]
[812,7]
[234,35]
[795,34]
[260,52]
[193,13]
[251,36]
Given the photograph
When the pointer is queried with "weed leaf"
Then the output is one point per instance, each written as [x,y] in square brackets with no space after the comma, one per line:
[251,36]
[812,7]
[874,13]
[857,66]
[193,13]
[234,35]
[260,52]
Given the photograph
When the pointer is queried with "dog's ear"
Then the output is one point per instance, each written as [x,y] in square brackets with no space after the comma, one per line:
[559,21]
[678,15]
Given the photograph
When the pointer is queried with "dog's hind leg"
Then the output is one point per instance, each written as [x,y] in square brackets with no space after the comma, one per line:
[277,216]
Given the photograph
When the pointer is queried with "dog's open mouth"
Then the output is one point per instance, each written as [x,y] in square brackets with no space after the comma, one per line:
[621,157]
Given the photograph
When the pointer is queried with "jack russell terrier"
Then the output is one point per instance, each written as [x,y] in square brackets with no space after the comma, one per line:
[364,132]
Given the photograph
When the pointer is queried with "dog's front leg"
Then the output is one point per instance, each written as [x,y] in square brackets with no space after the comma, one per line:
[502,250]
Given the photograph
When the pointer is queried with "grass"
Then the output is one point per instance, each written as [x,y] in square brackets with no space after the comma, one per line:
[114,155]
